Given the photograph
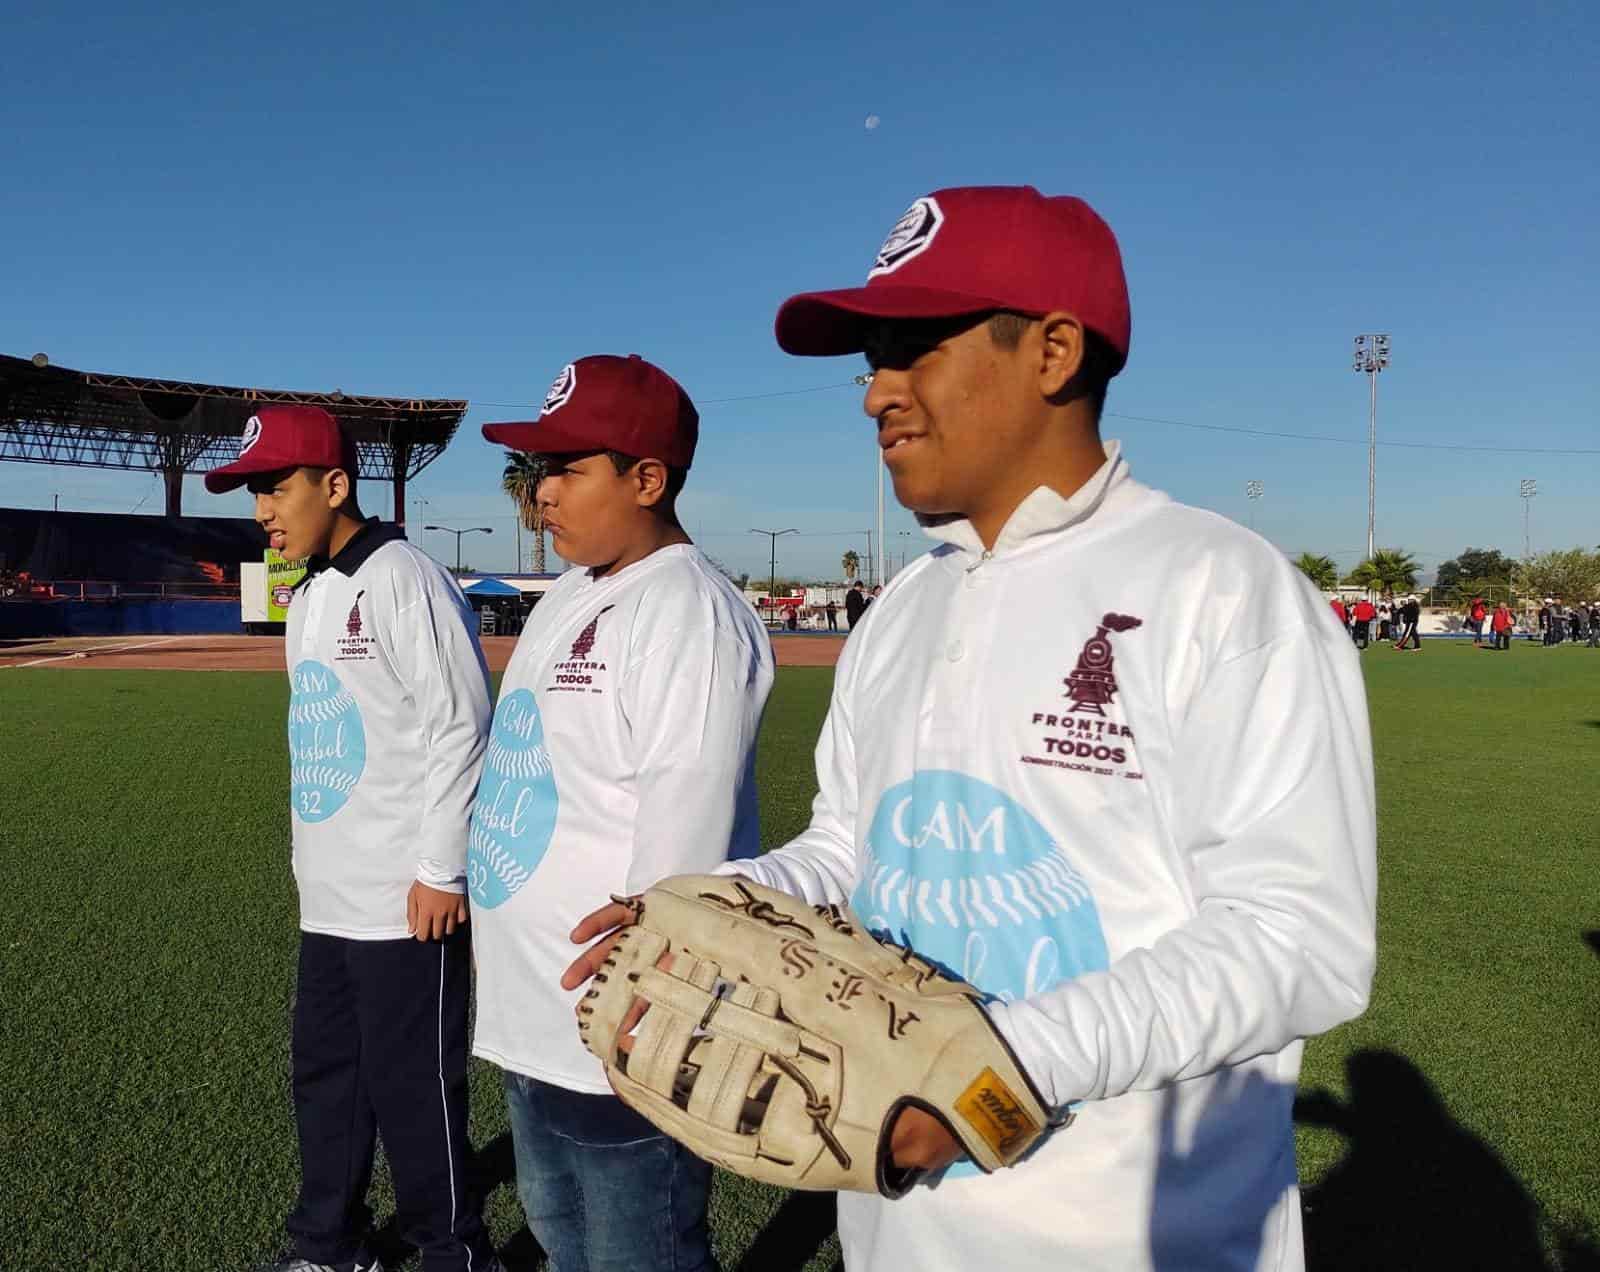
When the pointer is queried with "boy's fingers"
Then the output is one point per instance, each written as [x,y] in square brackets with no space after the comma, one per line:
[587,963]
[604,919]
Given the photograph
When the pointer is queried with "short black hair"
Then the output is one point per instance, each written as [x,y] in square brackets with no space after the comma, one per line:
[676,477]
[1100,360]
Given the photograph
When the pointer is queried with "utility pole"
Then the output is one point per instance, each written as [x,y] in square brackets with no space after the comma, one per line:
[865,380]
[1371,357]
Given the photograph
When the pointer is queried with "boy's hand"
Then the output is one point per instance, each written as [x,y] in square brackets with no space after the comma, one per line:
[432,915]
[605,923]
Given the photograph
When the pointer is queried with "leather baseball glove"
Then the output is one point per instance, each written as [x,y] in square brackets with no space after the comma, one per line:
[784,1040]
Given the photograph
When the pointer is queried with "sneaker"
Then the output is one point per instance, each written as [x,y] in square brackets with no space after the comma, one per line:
[373,1264]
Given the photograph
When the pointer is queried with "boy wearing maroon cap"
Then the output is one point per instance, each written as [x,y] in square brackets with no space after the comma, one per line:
[1099,753]
[622,750]
[388,712]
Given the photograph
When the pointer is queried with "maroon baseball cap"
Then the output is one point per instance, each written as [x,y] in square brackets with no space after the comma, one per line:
[969,250]
[280,437]
[605,402]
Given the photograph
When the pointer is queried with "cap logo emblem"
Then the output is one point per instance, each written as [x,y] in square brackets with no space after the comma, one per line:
[561,390]
[251,435]
[911,236]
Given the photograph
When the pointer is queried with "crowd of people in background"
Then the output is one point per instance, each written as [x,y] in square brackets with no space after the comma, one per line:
[1560,623]
[1492,626]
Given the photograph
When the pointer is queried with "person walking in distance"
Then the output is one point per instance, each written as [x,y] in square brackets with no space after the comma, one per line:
[831,609]
[1476,614]
[623,749]
[855,604]
[1099,753]
[1363,612]
[1501,624]
[1336,604]
[388,716]
[1410,620]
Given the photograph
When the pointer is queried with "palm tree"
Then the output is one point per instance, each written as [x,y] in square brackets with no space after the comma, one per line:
[1321,570]
[520,480]
[1387,570]
[852,565]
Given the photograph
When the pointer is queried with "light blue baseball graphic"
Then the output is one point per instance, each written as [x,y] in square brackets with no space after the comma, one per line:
[327,743]
[967,877]
[515,812]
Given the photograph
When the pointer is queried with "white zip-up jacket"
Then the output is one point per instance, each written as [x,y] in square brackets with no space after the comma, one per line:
[388,717]
[1116,773]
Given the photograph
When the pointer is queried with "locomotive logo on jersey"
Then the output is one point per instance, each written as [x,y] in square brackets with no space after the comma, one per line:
[585,642]
[1092,734]
[1092,684]
[561,390]
[911,236]
[580,672]
[354,643]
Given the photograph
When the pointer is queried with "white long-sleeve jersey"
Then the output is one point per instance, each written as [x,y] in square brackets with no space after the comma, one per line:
[388,717]
[1117,773]
[622,751]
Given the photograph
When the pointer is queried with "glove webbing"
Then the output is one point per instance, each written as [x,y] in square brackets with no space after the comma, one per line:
[740,1029]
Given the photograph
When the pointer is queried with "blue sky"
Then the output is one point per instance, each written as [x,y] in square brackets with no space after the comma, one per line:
[457,201]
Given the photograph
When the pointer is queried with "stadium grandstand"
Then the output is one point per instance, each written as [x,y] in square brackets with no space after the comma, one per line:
[125,573]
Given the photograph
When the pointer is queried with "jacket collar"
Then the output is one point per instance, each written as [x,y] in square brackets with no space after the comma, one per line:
[350,558]
[1042,512]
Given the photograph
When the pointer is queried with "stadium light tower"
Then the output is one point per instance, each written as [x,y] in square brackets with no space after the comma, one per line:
[1529,489]
[1253,490]
[1371,357]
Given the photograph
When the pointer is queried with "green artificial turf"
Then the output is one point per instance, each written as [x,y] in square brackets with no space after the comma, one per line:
[148,932]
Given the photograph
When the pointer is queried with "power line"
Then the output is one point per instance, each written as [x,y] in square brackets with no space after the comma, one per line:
[1348,441]
[1157,419]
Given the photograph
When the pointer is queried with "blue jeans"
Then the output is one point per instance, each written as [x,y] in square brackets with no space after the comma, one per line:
[603,1190]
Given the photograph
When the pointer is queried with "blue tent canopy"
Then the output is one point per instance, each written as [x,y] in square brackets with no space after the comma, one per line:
[490,587]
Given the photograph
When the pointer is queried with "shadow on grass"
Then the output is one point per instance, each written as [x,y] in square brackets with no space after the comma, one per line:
[1592,939]
[793,1236]
[1416,1189]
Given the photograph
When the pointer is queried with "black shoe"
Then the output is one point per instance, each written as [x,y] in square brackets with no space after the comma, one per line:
[370,1264]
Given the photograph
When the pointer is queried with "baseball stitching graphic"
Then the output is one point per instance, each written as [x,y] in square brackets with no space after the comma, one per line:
[515,812]
[327,743]
[963,874]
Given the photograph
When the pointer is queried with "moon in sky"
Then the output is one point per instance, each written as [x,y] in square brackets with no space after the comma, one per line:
[872,122]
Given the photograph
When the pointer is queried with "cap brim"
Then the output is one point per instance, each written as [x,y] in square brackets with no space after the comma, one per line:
[830,323]
[219,481]
[539,437]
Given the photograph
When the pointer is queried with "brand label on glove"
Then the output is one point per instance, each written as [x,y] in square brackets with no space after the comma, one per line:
[995,1113]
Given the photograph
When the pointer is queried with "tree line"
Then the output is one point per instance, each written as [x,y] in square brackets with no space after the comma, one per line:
[1573,574]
